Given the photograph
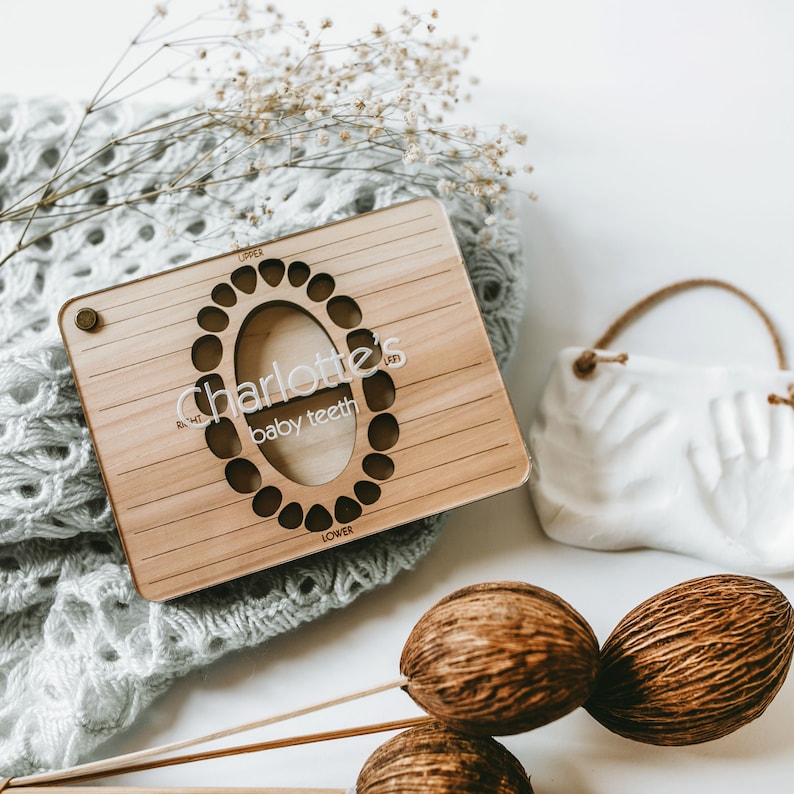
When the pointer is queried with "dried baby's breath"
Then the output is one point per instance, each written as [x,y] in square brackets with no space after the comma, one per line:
[271,94]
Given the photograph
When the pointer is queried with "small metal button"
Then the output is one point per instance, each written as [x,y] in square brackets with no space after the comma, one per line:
[86,319]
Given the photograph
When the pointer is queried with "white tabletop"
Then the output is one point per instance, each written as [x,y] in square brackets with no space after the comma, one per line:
[661,136]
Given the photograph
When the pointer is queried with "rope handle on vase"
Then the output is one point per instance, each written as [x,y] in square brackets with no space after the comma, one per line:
[585,364]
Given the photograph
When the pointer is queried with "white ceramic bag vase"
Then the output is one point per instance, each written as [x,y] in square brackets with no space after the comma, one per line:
[633,451]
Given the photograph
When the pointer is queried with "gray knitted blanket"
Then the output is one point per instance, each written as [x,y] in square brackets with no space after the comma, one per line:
[81,653]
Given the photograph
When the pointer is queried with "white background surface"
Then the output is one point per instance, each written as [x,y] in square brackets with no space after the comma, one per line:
[661,135]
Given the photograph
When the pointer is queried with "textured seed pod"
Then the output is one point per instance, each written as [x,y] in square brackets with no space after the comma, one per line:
[695,662]
[434,759]
[500,658]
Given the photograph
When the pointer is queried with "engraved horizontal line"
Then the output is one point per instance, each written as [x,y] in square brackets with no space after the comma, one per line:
[388,261]
[383,228]
[142,397]
[170,272]
[471,480]
[441,374]
[151,463]
[199,541]
[445,435]
[450,462]
[435,309]
[445,410]
[126,338]
[381,244]
[379,263]
[456,484]
[135,317]
[191,515]
[178,493]
[219,561]
[137,363]
[403,283]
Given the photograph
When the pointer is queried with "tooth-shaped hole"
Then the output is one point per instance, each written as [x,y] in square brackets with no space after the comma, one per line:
[222,438]
[346,510]
[243,476]
[367,492]
[272,271]
[244,278]
[379,467]
[291,517]
[213,384]
[267,501]
[318,519]
[360,340]
[344,311]
[383,432]
[297,273]
[211,318]
[379,391]
[224,295]
[207,353]
[320,287]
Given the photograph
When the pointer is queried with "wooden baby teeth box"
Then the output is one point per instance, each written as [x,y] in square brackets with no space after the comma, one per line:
[266,404]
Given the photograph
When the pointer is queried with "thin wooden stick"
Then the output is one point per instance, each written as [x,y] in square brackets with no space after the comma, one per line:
[180,790]
[110,764]
[78,775]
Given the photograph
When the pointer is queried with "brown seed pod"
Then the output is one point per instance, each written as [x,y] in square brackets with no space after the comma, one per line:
[695,662]
[500,658]
[434,759]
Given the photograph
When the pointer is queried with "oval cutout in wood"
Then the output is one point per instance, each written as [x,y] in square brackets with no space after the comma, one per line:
[305,421]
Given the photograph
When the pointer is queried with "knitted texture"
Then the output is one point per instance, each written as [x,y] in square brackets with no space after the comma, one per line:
[81,653]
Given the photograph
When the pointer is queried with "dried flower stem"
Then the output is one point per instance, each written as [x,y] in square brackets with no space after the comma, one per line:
[272,96]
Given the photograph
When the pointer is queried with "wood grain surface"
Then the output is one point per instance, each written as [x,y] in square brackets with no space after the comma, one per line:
[401,412]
